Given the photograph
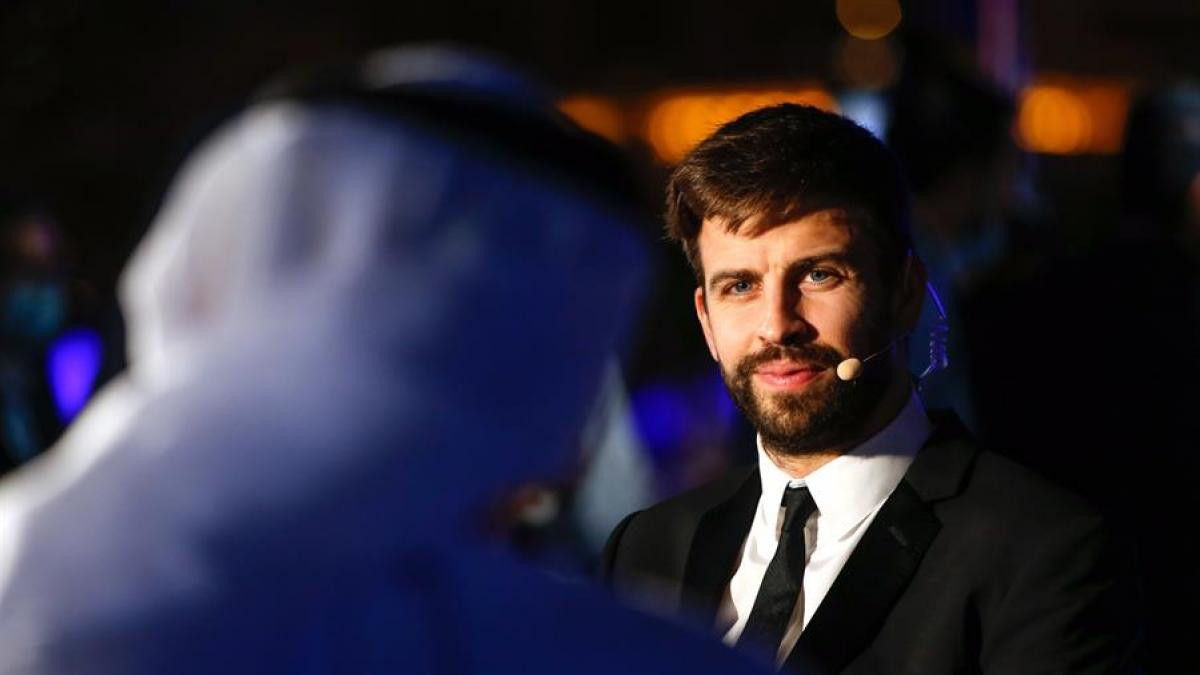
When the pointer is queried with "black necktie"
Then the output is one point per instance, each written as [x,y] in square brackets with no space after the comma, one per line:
[784,579]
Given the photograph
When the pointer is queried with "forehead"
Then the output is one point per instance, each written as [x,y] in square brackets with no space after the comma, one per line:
[820,233]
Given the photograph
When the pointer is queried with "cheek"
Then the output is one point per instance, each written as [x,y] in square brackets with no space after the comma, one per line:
[840,322]
[732,330]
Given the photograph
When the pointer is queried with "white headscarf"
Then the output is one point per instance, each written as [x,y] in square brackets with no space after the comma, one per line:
[346,331]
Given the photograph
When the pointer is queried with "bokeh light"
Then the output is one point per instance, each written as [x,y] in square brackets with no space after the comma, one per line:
[676,122]
[868,19]
[1053,120]
[597,114]
[866,64]
[1061,116]
[868,108]
[72,364]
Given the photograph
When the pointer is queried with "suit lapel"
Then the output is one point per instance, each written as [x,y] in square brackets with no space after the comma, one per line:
[883,563]
[874,577]
[719,536]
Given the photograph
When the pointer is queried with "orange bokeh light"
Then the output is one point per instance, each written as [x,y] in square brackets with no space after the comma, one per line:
[676,122]
[868,19]
[597,114]
[1067,116]
[1055,121]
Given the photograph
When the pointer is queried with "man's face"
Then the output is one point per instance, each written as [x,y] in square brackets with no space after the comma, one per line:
[780,309]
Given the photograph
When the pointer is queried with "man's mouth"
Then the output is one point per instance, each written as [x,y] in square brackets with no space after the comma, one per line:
[787,375]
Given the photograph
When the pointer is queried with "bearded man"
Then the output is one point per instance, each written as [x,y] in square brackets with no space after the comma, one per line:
[872,536]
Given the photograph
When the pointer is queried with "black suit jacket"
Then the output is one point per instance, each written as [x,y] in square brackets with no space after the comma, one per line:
[972,565]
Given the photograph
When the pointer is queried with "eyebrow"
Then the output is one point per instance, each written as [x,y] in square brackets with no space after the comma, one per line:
[840,257]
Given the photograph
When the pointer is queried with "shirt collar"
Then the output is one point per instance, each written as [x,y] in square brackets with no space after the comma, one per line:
[851,486]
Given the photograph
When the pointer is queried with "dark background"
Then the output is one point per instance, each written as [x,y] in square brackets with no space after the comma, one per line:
[98,100]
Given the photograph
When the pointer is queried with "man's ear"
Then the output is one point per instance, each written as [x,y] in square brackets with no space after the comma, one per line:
[911,296]
[705,326]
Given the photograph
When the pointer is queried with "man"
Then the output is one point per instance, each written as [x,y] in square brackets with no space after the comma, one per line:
[872,537]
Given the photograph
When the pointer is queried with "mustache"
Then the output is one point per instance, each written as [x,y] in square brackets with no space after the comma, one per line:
[821,356]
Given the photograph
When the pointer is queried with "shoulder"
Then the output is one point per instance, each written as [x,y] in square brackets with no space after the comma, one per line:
[1003,493]
[995,514]
[656,539]
[1057,583]
[687,507]
[965,482]
[1006,528]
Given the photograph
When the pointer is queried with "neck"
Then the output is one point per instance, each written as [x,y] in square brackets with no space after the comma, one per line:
[889,407]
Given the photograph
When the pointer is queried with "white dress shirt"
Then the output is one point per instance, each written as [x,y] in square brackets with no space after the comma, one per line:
[848,491]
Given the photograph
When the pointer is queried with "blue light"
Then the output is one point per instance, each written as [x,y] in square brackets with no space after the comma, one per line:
[662,417]
[726,410]
[72,364]
[672,414]
[868,109]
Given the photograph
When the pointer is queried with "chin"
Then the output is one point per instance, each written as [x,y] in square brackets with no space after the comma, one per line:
[799,424]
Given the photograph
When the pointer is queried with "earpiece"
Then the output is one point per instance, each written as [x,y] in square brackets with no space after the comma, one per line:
[939,338]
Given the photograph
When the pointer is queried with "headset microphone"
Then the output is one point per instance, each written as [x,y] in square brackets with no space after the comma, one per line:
[851,368]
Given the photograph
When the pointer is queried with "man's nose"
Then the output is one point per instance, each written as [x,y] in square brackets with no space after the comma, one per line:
[782,321]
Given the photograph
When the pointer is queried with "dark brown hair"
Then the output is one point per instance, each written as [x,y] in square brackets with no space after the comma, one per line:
[777,164]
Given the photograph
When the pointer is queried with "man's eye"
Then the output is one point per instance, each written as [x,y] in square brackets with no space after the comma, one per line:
[821,277]
[740,287]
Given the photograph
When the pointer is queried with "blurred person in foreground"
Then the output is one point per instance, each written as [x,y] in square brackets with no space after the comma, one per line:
[871,536]
[371,302]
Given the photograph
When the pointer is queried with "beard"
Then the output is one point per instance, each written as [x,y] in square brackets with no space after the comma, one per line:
[827,413]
